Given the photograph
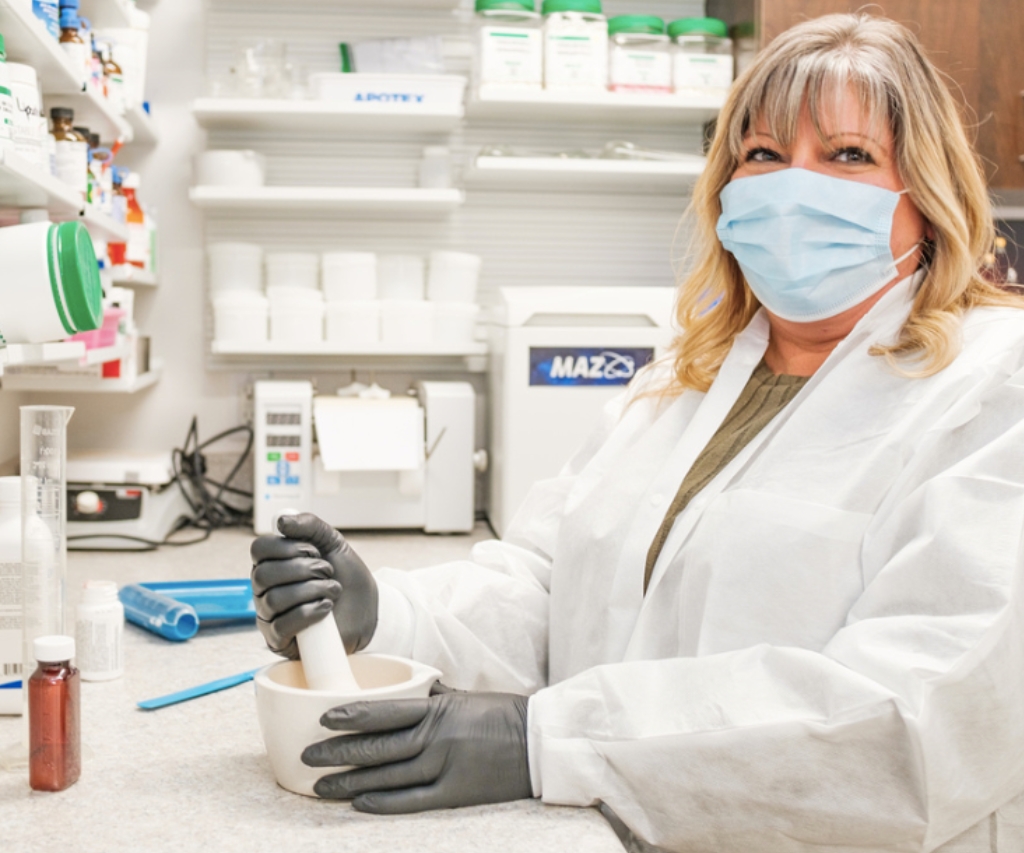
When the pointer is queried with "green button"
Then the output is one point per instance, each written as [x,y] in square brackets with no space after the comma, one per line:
[273,457]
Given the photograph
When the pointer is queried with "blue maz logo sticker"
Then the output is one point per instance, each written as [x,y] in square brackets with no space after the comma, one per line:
[586,365]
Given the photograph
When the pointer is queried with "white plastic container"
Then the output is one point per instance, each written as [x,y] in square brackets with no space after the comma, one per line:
[348,276]
[99,632]
[353,323]
[10,602]
[639,55]
[401,277]
[406,322]
[284,296]
[455,322]
[293,269]
[236,266]
[50,287]
[453,277]
[702,61]
[508,44]
[240,317]
[412,91]
[6,102]
[230,169]
[29,129]
[575,45]
[298,323]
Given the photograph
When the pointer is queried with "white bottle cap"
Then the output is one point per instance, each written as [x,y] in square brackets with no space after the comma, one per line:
[10,491]
[99,592]
[53,649]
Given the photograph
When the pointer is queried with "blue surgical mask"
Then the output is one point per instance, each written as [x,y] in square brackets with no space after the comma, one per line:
[810,246]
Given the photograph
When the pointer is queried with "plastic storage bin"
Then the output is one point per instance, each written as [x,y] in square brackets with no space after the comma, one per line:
[412,91]
[508,44]
[401,277]
[349,276]
[235,266]
[298,322]
[639,55]
[702,60]
[293,269]
[240,317]
[406,322]
[353,323]
[455,322]
[453,277]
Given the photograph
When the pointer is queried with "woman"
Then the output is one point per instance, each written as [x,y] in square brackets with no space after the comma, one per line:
[818,643]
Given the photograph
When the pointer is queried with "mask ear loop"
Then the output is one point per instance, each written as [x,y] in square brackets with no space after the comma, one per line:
[913,248]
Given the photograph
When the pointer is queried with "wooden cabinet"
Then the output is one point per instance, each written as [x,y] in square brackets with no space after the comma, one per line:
[978,45]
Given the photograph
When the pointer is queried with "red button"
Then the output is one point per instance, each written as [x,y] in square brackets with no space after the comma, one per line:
[292,457]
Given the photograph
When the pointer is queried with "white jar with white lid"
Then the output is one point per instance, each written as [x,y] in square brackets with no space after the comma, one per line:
[508,44]
[575,45]
[349,276]
[703,61]
[99,632]
[240,317]
[30,129]
[639,55]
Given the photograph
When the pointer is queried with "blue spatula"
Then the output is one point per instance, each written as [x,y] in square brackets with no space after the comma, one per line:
[198,690]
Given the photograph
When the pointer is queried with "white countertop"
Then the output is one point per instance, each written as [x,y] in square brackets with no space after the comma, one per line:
[196,773]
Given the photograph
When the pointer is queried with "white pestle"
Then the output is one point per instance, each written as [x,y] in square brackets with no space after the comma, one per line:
[322,653]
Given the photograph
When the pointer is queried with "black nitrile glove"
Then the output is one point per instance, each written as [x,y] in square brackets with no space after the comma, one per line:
[453,749]
[297,579]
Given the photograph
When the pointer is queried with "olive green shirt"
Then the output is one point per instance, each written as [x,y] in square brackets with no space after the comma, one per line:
[764,396]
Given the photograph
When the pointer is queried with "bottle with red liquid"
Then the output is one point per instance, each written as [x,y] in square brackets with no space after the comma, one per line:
[54,720]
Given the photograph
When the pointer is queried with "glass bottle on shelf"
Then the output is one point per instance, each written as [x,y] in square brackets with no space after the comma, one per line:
[113,79]
[72,150]
[72,43]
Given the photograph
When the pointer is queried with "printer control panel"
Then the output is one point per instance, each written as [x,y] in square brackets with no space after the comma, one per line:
[282,447]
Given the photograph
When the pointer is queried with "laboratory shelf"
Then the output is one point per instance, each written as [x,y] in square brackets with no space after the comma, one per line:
[321,348]
[27,40]
[103,14]
[101,355]
[1009,213]
[16,355]
[69,383]
[22,184]
[104,225]
[94,111]
[129,274]
[524,105]
[143,127]
[357,201]
[671,177]
[324,117]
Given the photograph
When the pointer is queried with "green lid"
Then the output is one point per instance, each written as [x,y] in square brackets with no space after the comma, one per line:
[505,6]
[346,58]
[3,49]
[699,26]
[648,24]
[744,30]
[75,277]
[591,6]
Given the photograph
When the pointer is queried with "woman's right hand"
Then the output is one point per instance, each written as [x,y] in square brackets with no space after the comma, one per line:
[312,571]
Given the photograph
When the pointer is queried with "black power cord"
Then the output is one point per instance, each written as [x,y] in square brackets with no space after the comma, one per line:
[204,495]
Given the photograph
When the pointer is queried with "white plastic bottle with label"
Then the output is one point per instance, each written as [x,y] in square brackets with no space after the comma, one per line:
[509,45]
[72,150]
[10,596]
[575,45]
[99,632]
[703,61]
[6,102]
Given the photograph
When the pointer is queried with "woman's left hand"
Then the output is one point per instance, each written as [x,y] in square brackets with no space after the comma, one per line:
[411,755]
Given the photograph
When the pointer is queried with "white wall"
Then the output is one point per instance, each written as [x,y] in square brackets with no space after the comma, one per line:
[525,239]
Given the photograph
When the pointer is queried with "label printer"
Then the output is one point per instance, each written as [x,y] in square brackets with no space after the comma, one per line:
[365,463]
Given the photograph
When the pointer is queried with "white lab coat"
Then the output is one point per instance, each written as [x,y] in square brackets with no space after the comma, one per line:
[830,655]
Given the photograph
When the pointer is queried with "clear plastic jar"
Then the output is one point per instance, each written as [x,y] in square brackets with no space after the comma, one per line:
[703,61]
[509,48]
[639,54]
[575,45]
[744,45]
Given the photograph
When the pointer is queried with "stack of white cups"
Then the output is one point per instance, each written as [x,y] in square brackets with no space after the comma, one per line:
[236,289]
[349,281]
[451,287]
[296,301]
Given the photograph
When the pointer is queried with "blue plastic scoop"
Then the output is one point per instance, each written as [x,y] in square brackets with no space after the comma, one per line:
[198,690]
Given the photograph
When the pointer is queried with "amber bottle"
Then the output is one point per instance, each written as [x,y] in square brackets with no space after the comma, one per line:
[54,717]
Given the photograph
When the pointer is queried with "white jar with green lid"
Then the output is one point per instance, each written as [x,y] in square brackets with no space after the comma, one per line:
[703,62]
[639,54]
[6,102]
[508,47]
[50,287]
[575,45]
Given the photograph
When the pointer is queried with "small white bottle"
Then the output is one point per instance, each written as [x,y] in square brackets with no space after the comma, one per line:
[99,632]
[10,597]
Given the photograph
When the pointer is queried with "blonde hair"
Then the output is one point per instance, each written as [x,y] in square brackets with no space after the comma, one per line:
[818,60]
